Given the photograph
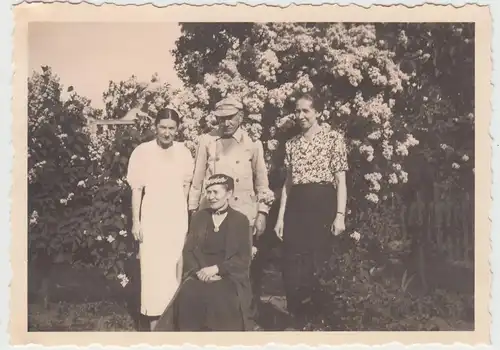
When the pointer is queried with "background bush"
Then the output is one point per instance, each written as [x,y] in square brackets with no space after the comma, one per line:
[401,93]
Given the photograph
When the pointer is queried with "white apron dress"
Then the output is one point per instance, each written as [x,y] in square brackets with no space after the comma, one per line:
[162,173]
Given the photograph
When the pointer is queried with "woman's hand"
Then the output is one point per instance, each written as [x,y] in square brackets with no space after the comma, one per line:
[278,228]
[179,270]
[338,225]
[206,273]
[214,279]
[137,231]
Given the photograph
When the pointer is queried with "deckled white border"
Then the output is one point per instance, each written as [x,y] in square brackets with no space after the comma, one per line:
[6,154]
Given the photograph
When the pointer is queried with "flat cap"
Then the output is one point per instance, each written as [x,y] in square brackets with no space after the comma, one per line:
[228,106]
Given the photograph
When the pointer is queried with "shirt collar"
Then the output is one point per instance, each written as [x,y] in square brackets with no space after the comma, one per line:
[237,136]
[320,132]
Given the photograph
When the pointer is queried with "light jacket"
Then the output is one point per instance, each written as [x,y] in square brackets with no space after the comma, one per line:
[244,163]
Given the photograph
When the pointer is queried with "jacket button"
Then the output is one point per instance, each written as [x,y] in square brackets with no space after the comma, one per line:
[235,198]
[237,162]
[217,159]
[237,180]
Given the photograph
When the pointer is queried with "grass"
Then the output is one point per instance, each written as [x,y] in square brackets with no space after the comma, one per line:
[92,316]
[71,299]
[77,300]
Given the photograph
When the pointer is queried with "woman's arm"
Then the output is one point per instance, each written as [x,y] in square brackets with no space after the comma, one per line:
[191,258]
[136,210]
[188,171]
[284,194]
[339,168]
[135,179]
[199,172]
[189,261]
[239,263]
[136,205]
[341,192]
[179,269]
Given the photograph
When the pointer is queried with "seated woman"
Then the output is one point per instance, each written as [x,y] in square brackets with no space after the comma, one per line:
[217,256]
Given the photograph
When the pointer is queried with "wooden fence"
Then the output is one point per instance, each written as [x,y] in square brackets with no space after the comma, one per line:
[444,225]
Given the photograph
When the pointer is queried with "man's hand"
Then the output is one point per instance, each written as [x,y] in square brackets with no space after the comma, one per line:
[190,214]
[260,224]
[207,273]
[254,251]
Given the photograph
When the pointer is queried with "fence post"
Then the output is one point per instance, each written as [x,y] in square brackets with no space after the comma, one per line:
[465,227]
[402,218]
[457,237]
[438,217]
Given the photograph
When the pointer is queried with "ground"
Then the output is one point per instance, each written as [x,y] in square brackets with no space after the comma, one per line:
[84,300]
[71,299]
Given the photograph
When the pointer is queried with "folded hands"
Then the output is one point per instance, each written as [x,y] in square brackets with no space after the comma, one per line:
[209,274]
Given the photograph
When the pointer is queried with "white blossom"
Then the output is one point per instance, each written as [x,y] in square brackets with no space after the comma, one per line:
[372,197]
[403,175]
[375,135]
[272,145]
[356,236]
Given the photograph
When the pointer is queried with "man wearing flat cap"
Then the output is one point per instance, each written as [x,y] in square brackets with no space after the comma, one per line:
[230,150]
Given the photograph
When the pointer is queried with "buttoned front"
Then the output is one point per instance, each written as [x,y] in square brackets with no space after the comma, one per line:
[239,157]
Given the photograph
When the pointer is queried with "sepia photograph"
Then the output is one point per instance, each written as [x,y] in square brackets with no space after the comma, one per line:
[253,176]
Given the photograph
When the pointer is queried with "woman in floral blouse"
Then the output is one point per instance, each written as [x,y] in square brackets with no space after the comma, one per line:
[312,206]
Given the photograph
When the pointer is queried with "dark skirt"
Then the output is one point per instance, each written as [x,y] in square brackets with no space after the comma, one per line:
[209,306]
[307,243]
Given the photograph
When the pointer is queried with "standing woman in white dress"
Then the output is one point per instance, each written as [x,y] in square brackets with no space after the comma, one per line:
[159,173]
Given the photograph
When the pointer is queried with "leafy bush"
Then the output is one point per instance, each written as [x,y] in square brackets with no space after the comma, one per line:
[104,232]
[384,86]
[56,140]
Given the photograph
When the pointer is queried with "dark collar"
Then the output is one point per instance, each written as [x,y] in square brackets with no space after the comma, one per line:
[220,211]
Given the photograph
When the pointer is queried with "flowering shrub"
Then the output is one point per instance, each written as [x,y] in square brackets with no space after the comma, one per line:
[82,213]
[386,87]
[377,84]
[105,232]
[354,75]
[56,140]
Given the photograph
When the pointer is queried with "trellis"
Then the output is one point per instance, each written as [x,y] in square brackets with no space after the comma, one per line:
[128,119]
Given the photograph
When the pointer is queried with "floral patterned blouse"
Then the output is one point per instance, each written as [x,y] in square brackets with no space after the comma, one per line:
[316,160]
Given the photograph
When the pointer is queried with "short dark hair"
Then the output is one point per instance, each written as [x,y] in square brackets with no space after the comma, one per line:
[167,113]
[312,96]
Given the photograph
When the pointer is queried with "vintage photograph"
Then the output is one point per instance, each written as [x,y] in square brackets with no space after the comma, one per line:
[261,176]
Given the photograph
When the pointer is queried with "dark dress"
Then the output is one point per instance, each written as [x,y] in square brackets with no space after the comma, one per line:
[210,306]
[222,305]
[307,243]
[310,210]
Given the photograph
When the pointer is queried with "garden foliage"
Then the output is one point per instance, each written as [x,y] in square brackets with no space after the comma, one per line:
[386,87]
